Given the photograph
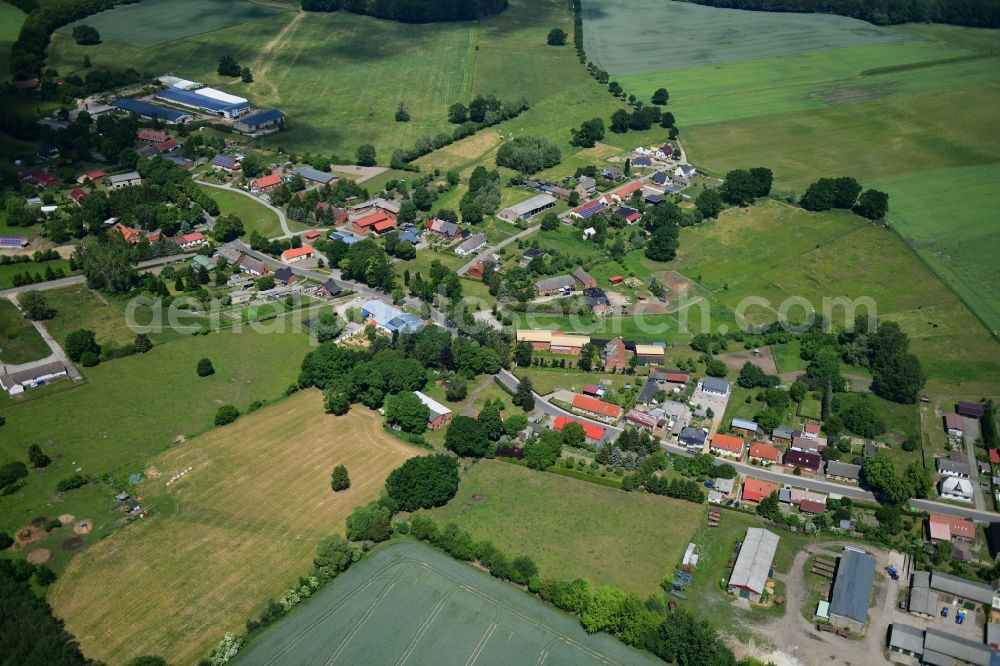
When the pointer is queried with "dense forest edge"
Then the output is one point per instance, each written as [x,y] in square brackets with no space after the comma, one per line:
[412,11]
[970,13]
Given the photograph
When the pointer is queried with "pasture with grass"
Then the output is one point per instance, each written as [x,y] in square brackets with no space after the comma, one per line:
[573,529]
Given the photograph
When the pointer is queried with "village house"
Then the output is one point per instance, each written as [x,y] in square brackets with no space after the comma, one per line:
[443,228]
[131,236]
[956,464]
[471,244]
[389,319]
[437,414]
[948,528]
[715,386]
[15,383]
[643,420]
[191,240]
[595,408]
[586,186]
[94,175]
[294,254]
[284,276]
[954,425]
[265,184]
[615,355]
[329,289]
[77,196]
[754,490]
[956,488]
[763,454]
[693,439]
[593,433]
[843,472]
[726,446]
[225,163]
[597,301]
[377,222]
[804,460]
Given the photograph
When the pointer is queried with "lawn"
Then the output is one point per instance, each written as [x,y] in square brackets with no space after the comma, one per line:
[132,409]
[8,271]
[406,601]
[547,380]
[78,307]
[255,216]
[573,528]
[236,530]
[19,341]
[157,21]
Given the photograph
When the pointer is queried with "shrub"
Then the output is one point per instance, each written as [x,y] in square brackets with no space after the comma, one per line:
[89,359]
[75,481]
[5,541]
[205,367]
[226,414]
[369,523]
[423,482]
[52,524]
[80,342]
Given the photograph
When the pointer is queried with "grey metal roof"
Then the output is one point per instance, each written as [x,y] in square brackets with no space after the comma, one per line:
[783,432]
[961,587]
[315,175]
[923,600]
[648,392]
[555,283]
[846,470]
[530,205]
[906,637]
[852,587]
[921,579]
[745,425]
[753,565]
[473,242]
[124,177]
[953,466]
[715,385]
[21,376]
[955,647]
[435,408]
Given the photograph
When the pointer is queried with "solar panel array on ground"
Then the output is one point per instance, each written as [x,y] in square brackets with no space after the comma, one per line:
[408,602]
[13,241]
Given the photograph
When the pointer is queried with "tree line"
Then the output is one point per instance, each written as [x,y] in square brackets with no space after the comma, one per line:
[972,13]
[412,11]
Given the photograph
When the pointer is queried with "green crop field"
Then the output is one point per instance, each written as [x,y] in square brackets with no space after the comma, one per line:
[255,216]
[19,341]
[131,409]
[652,35]
[154,22]
[571,528]
[11,19]
[408,602]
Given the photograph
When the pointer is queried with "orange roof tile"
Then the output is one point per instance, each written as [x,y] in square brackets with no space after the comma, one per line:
[727,443]
[293,252]
[765,451]
[595,406]
[268,181]
[754,490]
[369,220]
[592,431]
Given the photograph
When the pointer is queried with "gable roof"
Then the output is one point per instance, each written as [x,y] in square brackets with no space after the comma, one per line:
[715,385]
[804,459]
[435,408]
[753,564]
[852,587]
[582,276]
[754,490]
[846,470]
[315,175]
[293,252]
[764,451]
[946,527]
[473,242]
[267,181]
[283,274]
[648,392]
[555,283]
[727,443]
[692,436]
[744,424]
[590,430]
[595,406]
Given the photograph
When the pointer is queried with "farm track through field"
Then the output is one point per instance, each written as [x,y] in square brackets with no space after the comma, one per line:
[262,64]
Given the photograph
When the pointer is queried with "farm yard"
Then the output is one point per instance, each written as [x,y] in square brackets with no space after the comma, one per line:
[573,529]
[234,531]
[407,598]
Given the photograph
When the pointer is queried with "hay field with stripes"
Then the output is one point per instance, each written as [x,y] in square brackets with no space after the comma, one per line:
[240,527]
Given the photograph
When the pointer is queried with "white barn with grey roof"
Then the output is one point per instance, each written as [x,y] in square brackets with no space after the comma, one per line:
[753,565]
[528,208]
[471,244]
[906,639]
[715,385]
[852,590]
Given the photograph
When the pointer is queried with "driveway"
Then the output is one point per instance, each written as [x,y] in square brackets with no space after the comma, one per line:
[487,251]
[797,639]
[970,433]
[57,353]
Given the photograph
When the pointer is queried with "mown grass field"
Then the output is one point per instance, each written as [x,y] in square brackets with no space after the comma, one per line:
[157,21]
[19,341]
[407,601]
[573,529]
[132,409]
[239,528]
[255,216]
[8,271]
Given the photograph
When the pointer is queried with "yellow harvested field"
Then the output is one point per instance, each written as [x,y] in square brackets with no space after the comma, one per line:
[236,529]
